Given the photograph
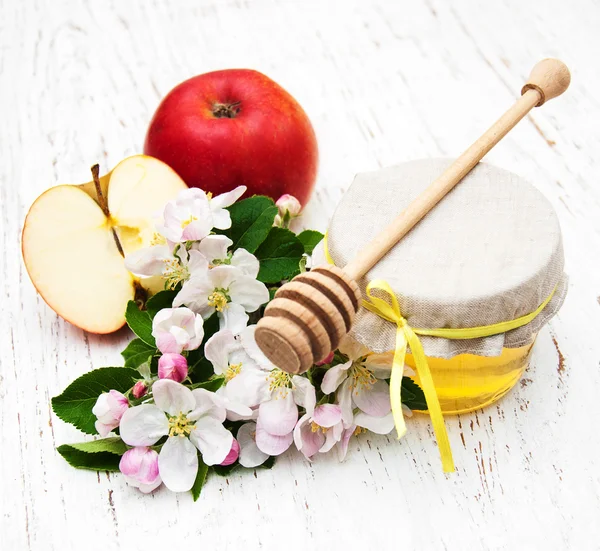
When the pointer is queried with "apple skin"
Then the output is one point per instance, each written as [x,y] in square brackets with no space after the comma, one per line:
[268,144]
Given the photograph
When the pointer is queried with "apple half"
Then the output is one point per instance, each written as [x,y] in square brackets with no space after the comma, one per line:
[69,244]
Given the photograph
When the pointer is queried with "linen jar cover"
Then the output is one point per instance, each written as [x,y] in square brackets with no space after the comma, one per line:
[491,251]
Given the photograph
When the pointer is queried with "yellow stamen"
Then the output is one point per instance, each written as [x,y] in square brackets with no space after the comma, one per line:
[359,430]
[279,382]
[187,222]
[174,273]
[209,194]
[180,425]
[361,376]
[316,428]
[218,300]
[158,239]
[232,371]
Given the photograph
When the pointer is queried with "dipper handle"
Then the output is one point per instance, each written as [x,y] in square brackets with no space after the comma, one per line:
[548,79]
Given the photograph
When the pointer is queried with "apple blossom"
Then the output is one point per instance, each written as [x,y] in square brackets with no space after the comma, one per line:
[172,366]
[288,203]
[192,419]
[319,430]
[188,217]
[233,454]
[140,467]
[149,261]
[139,389]
[215,250]
[109,409]
[177,329]
[226,290]
[250,455]
[359,384]
[221,218]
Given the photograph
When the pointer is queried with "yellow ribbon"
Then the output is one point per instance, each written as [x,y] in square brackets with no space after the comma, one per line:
[407,335]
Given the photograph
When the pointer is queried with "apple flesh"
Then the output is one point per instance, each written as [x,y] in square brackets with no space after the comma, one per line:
[222,129]
[69,248]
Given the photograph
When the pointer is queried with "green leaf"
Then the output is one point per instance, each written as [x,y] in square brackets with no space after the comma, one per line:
[75,404]
[268,464]
[412,395]
[98,455]
[279,256]
[251,220]
[213,385]
[140,323]
[137,353]
[200,478]
[200,368]
[310,239]
[162,299]
[225,470]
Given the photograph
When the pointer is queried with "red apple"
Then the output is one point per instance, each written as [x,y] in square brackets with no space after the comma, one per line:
[222,129]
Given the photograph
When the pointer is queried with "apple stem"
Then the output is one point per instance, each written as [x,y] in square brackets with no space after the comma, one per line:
[104,204]
[226,110]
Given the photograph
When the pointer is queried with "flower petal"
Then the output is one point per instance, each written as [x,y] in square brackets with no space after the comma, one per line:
[378,425]
[214,247]
[250,387]
[178,464]
[342,446]
[234,318]
[246,262]
[143,425]
[248,292]
[327,415]
[218,348]
[304,393]
[149,261]
[173,398]
[353,349]
[279,415]
[332,437]
[334,377]
[226,199]
[307,441]
[344,397]
[207,404]
[212,439]
[250,346]
[196,230]
[373,399]
[250,456]
[270,443]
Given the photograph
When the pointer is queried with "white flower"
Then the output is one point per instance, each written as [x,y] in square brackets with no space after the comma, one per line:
[214,248]
[359,385]
[192,419]
[244,377]
[109,409]
[250,456]
[319,430]
[226,290]
[221,218]
[177,329]
[254,382]
[188,217]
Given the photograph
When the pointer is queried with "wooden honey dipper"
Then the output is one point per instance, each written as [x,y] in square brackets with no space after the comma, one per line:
[309,315]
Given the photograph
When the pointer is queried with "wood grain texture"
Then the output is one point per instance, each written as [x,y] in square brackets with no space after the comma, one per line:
[383,82]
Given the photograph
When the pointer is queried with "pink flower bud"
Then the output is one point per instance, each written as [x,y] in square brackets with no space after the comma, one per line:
[327,360]
[172,366]
[140,467]
[139,389]
[288,203]
[232,455]
[109,408]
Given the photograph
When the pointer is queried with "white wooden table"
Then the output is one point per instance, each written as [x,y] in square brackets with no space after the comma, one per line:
[383,82]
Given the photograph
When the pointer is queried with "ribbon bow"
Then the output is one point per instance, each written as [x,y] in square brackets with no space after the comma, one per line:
[405,335]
